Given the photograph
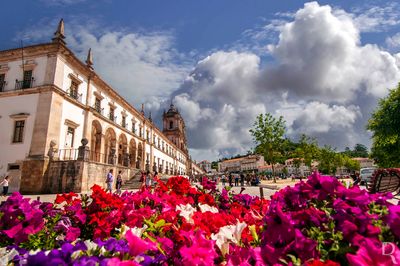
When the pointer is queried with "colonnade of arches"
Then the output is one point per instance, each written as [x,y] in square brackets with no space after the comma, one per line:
[107,148]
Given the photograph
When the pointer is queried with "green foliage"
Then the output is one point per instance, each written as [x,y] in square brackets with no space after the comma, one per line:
[385,125]
[359,150]
[46,238]
[268,135]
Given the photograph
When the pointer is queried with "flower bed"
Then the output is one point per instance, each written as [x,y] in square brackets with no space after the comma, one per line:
[317,222]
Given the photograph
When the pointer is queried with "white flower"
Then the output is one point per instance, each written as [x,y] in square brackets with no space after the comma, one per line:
[207,208]
[6,256]
[137,231]
[228,234]
[186,211]
[90,245]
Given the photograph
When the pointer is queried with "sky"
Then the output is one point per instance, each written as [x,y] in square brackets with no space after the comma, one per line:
[322,65]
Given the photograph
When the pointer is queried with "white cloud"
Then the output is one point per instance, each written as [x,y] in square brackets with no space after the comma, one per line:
[317,117]
[142,66]
[319,57]
[323,81]
[376,18]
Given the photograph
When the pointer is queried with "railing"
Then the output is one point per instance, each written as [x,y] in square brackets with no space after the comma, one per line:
[72,154]
[98,110]
[69,154]
[112,117]
[24,84]
[2,85]
[75,95]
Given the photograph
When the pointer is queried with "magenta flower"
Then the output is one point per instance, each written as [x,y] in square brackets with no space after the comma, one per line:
[393,219]
[377,254]
[200,252]
[137,245]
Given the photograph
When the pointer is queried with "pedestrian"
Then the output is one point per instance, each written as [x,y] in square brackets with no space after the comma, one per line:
[223,179]
[109,180]
[236,180]
[5,185]
[148,179]
[118,183]
[242,179]
[156,179]
[230,179]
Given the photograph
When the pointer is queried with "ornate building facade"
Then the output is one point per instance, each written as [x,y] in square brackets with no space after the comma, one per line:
[63,127]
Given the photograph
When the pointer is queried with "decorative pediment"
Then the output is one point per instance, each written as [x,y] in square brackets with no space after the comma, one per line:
[29,65]
[71,123]
[4,68]
[19,116]
[75,78]
[98,95]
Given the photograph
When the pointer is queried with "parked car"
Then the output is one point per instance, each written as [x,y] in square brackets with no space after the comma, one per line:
[366,174]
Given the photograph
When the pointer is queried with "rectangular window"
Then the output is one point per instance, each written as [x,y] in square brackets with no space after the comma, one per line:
[12,166]
[27,82]
[134,127]
[123,123]
[69,139]
[18,131]
[97,105]
[73,90]
[2,82]
[111,114]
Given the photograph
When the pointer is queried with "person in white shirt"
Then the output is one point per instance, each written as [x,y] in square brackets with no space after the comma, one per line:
[5,185]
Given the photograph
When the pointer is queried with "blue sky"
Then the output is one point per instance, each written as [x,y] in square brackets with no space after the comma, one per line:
[322,65]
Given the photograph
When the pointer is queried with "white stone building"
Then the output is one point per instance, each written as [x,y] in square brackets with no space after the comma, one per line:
[249,163]
[50,101]
[205,165]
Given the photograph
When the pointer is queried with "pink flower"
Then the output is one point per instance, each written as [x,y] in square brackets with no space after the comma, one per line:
[372,253]
[200,252]
[137,245]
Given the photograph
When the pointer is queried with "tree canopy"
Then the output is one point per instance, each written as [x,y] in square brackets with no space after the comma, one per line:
[268,134]
[385,126]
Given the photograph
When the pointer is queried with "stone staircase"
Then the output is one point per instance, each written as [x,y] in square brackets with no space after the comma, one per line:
[134,182]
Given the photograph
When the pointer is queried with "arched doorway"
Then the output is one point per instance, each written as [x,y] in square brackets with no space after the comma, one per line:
[109,148]
[95,144]
[123,158]
[132,153]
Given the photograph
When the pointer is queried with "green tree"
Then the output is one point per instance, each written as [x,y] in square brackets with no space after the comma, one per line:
[268,135]
[327,160]
[310,149]
[385,126]
[360,150]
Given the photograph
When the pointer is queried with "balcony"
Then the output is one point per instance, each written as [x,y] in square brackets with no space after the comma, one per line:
[75,95]
[24,84]
[112,117]
[98,110]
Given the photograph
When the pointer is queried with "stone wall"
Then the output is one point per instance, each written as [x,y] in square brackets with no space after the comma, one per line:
[50,177]
[32,173]
[95,173]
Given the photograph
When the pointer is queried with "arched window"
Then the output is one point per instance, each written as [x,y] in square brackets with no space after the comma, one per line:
[171,124]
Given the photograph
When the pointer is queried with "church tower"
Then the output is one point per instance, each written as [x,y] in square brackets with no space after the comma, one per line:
[174,128]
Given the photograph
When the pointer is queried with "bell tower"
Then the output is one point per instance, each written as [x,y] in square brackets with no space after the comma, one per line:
[174,128]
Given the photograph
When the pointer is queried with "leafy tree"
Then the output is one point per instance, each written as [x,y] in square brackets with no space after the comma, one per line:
[268,135]
[327,160]
[385,125]
[360,151]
